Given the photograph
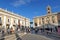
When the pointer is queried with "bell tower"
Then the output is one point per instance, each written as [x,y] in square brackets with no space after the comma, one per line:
[48,10]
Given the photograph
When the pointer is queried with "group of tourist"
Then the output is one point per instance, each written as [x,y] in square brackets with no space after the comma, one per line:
[10,30]
[28,30]
[41,30]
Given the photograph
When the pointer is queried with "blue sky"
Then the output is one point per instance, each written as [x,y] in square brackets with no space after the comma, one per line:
[30,8]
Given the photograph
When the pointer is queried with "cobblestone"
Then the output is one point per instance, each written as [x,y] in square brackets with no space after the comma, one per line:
[35,37]
[13,37]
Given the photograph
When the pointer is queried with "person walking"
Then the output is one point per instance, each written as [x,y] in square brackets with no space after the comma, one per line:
[51,29]
[8,30]
[11,30]
[36,31]
[29,30]
[3,34]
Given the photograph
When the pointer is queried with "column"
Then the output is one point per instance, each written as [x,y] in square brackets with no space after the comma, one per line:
[38,22]
[4,24]
[33,24]
[11,23]
[16,21]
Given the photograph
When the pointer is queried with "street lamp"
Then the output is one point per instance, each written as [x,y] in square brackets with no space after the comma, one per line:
[43,26]
[43,23]
[25,26]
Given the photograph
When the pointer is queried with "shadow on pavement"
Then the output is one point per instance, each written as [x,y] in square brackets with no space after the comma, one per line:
[17,37]
[48,35]
[2,39]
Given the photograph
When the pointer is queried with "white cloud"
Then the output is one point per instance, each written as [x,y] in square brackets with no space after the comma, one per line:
[20,2]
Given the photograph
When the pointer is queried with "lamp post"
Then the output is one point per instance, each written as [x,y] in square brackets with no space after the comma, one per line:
[43,26]
[43,23]
[25,26]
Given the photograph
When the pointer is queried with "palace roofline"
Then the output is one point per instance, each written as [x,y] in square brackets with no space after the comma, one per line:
[12,13]
[45,15]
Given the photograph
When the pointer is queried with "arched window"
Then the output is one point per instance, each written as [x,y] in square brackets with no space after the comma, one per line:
[48,8]
[42,18]
[49,12]
[35,24]
[52,17]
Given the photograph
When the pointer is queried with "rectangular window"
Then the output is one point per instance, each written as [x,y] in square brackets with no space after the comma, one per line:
[8,20]
[39,22]
[59,21]
[53,21]
[14,21]
[0,18]
[53,18]
[42,22]
[42,18]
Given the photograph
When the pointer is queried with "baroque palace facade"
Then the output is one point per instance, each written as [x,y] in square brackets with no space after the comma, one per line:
[51,20]
[10,19]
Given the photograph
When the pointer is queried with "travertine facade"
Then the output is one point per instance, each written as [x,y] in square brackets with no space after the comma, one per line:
[52,19]
[10,19]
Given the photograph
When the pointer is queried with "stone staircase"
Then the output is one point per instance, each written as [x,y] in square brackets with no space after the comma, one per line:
[13,37]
